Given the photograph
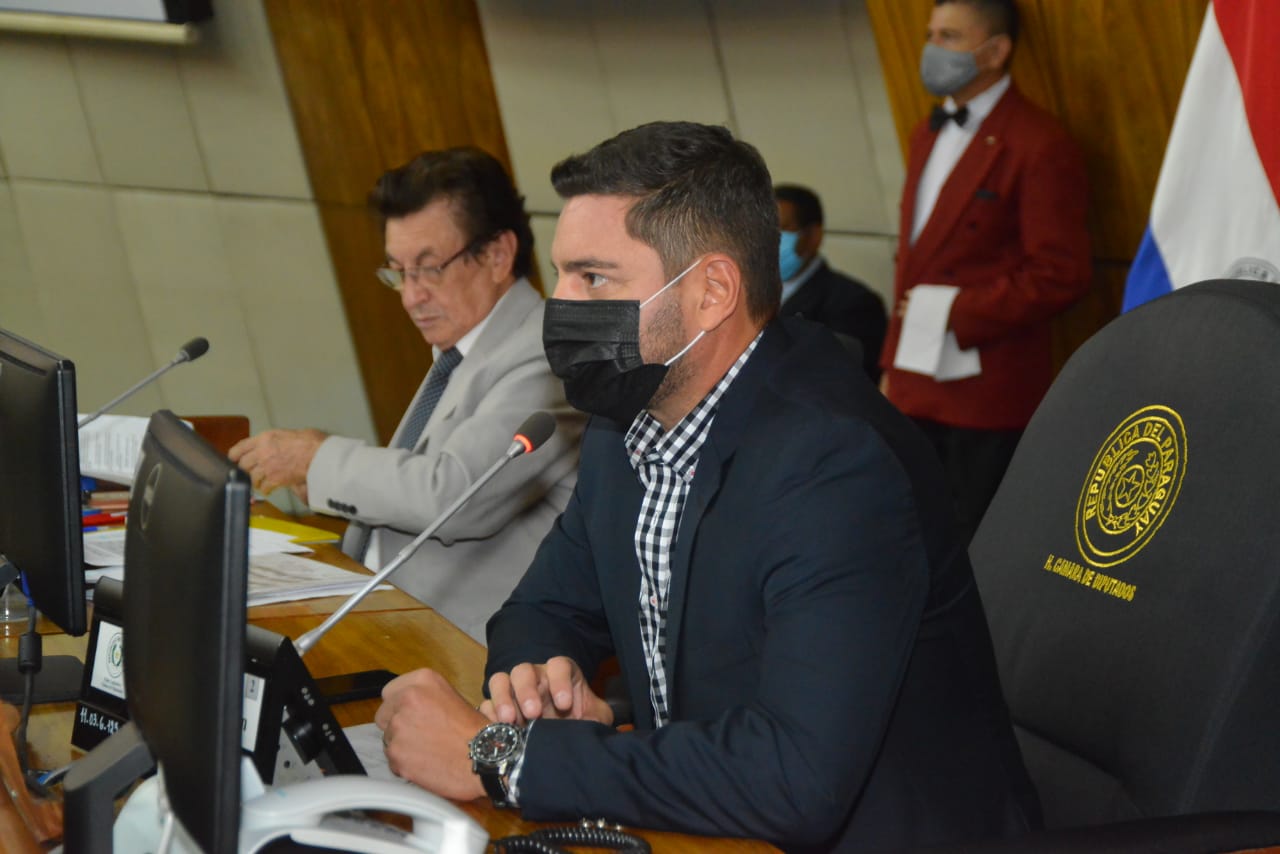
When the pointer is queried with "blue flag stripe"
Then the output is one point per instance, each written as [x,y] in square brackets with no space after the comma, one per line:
[1148,277]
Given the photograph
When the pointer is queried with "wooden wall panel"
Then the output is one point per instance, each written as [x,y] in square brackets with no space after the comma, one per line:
[1112,72]
[371,84]
[393,357]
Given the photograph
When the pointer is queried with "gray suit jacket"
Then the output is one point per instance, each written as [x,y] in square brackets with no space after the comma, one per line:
[466,571]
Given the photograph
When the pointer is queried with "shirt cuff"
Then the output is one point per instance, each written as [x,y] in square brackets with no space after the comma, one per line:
[513,780]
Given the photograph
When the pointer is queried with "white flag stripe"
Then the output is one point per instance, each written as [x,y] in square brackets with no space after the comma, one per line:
[1213,203]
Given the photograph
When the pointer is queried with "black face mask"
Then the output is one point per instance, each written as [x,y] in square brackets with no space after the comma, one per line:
[594,347]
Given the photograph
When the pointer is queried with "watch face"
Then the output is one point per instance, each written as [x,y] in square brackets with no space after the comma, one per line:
[495,743]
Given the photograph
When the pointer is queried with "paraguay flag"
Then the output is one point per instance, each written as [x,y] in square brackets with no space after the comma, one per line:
[1215,213]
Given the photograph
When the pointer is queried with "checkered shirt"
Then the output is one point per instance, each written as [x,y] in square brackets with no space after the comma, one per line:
[665,464]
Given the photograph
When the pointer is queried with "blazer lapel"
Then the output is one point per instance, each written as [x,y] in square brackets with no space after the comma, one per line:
[919,156]
[506,317]
[620,585]
[706,483]
[726,431]
[958,192]
[962,184]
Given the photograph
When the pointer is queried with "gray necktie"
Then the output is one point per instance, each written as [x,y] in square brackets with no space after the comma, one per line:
[356,543]
[437,379]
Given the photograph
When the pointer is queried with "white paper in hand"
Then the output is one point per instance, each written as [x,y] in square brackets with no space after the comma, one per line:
[926,346]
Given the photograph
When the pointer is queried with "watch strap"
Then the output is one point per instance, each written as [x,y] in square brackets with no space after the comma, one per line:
[496,788]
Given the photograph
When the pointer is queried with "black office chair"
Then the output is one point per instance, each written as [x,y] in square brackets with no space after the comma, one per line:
[1130,568]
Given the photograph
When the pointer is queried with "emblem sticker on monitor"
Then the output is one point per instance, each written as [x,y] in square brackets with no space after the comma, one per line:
[108,661]
[1132,485]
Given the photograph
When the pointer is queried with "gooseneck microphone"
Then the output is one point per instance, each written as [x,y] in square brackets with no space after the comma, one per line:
[189,352]
[529,436]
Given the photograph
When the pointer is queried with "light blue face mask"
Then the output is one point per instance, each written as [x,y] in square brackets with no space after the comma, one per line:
[789,263]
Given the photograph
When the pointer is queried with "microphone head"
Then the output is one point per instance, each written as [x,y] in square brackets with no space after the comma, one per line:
[193,349]
[535,430]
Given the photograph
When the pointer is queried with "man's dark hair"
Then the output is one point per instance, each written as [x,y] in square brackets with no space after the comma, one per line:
[806,202]
[481,194]
[697,190]
[1001,15]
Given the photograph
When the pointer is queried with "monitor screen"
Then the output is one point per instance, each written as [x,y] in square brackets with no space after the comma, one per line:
[186,563]
[40,478]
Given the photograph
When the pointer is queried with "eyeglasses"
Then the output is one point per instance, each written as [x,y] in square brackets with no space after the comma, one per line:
[394,278]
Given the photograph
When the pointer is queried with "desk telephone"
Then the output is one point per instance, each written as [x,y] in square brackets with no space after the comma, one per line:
[317,813]
[313,812]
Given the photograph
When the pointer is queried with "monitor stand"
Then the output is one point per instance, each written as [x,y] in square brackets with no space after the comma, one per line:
[57,678]
[92,784]
[57,681]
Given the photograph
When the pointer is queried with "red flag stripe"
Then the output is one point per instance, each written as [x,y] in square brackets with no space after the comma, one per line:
[1250,30]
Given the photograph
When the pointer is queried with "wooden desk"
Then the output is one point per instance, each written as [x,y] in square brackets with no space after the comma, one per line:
[389,629]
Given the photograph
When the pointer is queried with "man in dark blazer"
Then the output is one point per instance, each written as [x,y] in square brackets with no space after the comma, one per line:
[756,534]
[814,291]
[995,206]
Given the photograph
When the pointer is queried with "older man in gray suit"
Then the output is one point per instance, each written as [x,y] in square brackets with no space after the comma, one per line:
[458,248]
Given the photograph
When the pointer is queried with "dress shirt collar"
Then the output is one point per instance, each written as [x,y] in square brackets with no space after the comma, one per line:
[981,105]
[679,447]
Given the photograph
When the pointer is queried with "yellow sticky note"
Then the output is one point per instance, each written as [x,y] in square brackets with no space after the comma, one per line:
[296,531]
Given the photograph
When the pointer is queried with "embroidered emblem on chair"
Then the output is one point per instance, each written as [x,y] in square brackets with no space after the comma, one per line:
[1132,485]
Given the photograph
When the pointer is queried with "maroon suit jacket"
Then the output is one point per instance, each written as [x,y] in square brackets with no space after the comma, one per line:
[1009,230]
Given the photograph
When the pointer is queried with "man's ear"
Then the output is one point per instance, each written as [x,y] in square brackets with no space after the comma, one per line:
[500,255]
[999,49]
[722,292]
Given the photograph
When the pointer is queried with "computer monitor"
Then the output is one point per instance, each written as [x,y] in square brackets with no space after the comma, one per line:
[40,498]
[186,564]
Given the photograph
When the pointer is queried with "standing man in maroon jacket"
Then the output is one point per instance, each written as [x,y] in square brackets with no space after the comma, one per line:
[994,206]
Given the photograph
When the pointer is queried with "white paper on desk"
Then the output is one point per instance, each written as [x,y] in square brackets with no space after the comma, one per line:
[288,578]
[93,576]
[366,741]
[925,345]
[278,578]
[266,542]
[106,548]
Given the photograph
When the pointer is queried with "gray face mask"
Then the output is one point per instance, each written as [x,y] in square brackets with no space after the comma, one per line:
[946,72]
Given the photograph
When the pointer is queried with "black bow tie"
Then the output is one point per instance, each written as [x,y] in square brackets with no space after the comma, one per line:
[939,117]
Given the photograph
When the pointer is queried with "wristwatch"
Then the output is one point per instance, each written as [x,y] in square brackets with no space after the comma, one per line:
[494,753]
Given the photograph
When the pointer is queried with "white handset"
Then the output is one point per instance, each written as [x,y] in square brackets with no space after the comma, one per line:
[313,812]
[304,811]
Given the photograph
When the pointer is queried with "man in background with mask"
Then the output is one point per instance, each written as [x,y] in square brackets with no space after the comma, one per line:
[814,291]
[994,209]
[756,534]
